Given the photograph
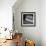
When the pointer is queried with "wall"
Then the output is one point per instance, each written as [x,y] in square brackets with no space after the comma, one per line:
[43,22]
[6,13]
[32,33]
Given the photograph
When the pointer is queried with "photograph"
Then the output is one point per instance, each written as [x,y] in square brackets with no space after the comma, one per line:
[28,19]
[22,22]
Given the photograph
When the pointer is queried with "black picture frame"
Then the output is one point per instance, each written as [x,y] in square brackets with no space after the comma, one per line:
[28,19]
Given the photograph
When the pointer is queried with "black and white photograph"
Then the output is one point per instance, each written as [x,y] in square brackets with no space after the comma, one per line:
[28,19]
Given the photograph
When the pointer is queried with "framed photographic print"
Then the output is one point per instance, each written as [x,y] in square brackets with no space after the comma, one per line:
[28,19]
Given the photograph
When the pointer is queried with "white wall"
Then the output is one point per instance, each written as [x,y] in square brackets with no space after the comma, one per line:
[6,13]
[32,33]
[43,22]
